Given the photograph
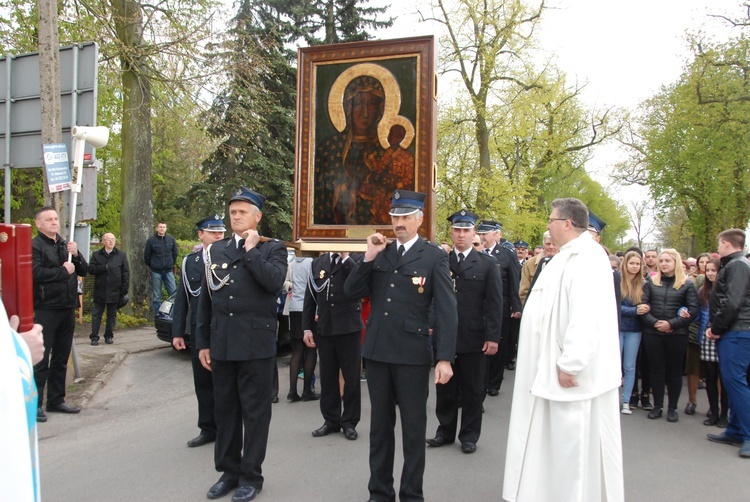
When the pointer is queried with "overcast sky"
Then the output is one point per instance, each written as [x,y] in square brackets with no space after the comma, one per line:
[624,50]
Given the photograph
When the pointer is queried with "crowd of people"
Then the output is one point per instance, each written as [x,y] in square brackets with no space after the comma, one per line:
[467,310]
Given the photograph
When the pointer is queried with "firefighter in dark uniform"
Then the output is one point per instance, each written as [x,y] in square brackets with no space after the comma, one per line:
[402,280]
[236,339]
[479,297]
[491,232]
[184,314]
[338,339]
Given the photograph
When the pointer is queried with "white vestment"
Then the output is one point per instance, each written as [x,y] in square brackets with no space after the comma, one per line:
[564,444]
[19,456]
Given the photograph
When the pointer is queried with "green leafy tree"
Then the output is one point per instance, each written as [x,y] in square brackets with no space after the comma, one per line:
[252,118]
[516,136]
[690,144]
[341,21]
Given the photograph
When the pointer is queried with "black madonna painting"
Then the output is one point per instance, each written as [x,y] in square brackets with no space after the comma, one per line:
[365,128]
[371,151]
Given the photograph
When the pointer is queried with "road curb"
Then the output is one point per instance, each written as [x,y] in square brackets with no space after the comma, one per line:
[107,371]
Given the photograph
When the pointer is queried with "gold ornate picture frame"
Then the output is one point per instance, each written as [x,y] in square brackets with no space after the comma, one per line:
[365,126]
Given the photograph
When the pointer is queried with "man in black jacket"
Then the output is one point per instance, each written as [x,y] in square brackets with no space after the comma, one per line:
[339,331]
[491,233]
[402,280]
[184,315]
[236,341]
[160,254]
[110,266]
[479,296]
[730,326]
[55,300]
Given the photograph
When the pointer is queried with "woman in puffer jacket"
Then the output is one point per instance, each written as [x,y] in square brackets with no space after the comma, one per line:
[665,331]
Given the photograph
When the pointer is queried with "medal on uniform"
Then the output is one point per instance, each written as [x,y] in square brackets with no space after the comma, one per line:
[415,281]
[322,274]
[420,281]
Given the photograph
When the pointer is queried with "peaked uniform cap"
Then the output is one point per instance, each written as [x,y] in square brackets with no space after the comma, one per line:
[247,195]
[211,224]
[404,202]
[463,219]
[486,226]
[595,223]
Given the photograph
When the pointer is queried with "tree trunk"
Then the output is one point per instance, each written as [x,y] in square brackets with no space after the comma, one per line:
[330,23]
[49,87]
[137,207]
[485,167]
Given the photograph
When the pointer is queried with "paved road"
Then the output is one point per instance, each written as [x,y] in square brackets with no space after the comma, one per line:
[128,444]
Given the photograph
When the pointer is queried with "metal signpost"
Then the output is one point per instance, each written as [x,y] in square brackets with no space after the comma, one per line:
[20,106]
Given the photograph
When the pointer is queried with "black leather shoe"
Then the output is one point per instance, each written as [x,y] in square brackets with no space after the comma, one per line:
[221,488]
[293,397]
[672,416]
[350,433]
[712,420]
[40,416]
[245,494]
[725,439]
[654,414]
[511,366]
[63,408]
[94,342]
[437,441]
[310,396]
[468,447]
[325,430]
[275,399]
[201,439]
[108,340]
[493,392]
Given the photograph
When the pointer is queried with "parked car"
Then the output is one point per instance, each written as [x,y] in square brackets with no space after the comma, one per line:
[163,323]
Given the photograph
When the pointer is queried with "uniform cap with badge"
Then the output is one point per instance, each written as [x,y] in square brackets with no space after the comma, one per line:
[463,219]
[245,194]
[211,224]
[487,226]
[405,202]
[521,244]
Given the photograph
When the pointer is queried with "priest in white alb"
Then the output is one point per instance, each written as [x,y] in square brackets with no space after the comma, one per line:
[564,441]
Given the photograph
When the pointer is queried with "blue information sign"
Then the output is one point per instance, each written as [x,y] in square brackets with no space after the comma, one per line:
[57,166]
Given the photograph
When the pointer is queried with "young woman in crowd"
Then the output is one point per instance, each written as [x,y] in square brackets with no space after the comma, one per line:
[702,260]
[631,287]
[709,358]
[665,331]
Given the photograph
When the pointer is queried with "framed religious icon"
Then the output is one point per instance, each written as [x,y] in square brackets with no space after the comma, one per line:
[365,127]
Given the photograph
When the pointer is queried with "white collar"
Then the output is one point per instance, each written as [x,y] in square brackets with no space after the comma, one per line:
[407,245]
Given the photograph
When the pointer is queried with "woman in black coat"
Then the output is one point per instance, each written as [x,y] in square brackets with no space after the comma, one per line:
[665,331]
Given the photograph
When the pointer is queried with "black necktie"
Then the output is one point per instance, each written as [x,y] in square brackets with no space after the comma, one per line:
[401,250]
[460,259]
[487,251]
[240,244]
[334,259]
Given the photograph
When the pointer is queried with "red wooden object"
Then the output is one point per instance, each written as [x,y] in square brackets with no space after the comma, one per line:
[16,285]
